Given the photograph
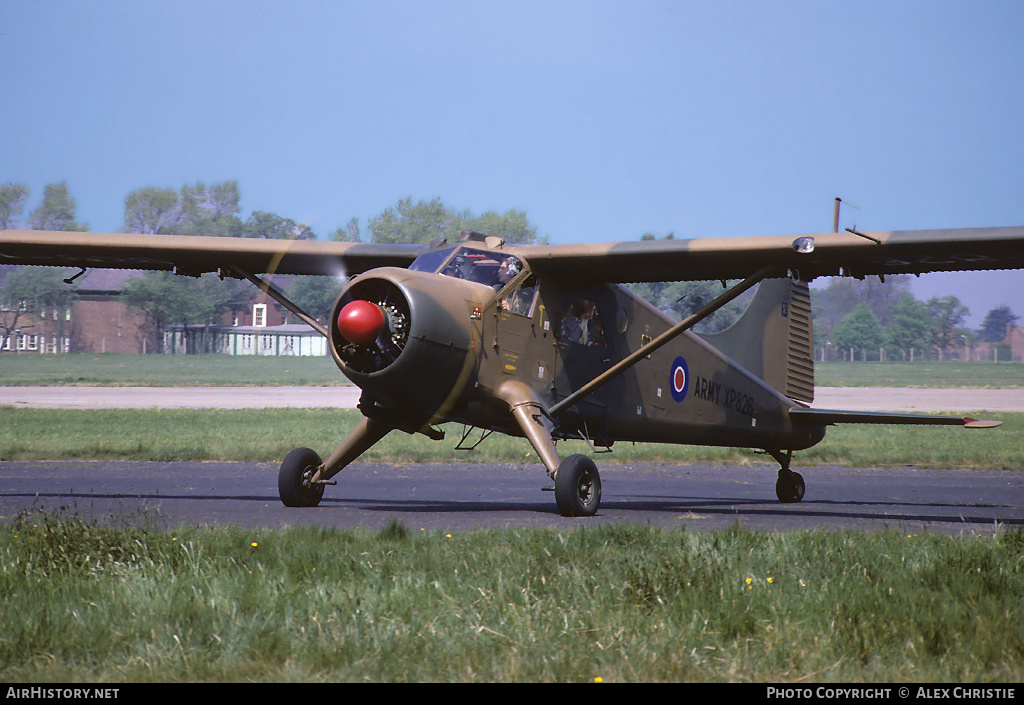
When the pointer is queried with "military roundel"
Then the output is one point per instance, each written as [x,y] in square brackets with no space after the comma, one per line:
[679,379]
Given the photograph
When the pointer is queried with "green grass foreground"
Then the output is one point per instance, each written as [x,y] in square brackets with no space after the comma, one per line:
[85,603]
[267,435]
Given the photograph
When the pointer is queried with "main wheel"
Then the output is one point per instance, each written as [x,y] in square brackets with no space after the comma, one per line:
[293,479]
[577,487]
[789,488]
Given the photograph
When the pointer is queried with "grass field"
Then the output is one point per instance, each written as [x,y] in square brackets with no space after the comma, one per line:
[229,371]
[109,369]
[617,603]
[232,434]
[920,374]
[90,603]
[269,434]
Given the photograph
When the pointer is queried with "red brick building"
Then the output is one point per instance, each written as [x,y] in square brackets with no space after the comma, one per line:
[99,322]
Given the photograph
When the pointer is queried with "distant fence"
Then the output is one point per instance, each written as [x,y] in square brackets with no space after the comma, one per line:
[988,353]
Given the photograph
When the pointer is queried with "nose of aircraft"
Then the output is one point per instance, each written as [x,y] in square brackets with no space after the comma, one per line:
[360,321]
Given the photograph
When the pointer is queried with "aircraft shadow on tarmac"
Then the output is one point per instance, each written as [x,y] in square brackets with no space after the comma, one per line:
[627,506]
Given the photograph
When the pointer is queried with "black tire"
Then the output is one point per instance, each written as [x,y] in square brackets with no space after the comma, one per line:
[790,489]
[577,487]
[289,480]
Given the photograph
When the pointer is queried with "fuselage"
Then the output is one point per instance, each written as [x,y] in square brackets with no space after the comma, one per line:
[459,326]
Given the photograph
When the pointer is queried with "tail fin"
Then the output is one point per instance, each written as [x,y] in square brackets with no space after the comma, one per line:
[773,339]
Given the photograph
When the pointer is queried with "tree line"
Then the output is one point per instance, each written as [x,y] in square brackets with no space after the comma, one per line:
[865,316]
[876,319]
[213,210]
[873,318]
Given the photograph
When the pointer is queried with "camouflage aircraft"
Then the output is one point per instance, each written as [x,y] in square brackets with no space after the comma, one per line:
[543,342]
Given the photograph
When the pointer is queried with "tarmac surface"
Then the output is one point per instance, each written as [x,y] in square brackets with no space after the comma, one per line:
[460,497]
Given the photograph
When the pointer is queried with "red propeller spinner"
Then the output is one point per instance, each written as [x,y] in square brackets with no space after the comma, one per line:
[360,322]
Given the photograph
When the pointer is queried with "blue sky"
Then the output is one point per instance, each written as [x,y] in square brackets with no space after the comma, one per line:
[601,120]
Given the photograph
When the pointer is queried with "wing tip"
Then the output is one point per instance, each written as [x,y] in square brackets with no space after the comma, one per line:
[980,423]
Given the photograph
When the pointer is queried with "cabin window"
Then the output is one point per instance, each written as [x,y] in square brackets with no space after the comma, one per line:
[581,324]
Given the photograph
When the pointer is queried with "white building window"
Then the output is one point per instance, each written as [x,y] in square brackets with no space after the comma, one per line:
[259,315]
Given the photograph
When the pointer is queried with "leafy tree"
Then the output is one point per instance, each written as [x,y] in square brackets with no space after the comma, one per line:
[194,210]
[209,211]
[12,202]
[993,327]
[350,233]
[681,299]
[316,295]
[843,294]
[57,211]
[28,290]
[151,210]
[947,314]
[859,330]
[823,328]
[423,223]
[168,299]
[270,226]
[512,226]
[910,325]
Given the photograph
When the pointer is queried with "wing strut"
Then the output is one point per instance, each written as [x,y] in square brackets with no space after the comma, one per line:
[644,352]
[280,298]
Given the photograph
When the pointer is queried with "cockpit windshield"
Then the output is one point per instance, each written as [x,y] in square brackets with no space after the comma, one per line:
[492,269]
[431,261]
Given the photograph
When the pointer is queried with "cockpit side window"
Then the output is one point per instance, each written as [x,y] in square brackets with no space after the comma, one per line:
[520,300]
[581,324]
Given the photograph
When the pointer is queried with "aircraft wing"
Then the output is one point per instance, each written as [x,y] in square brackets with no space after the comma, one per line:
[197,255]
[809,256]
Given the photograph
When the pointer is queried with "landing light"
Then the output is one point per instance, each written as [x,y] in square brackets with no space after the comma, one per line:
[804,245]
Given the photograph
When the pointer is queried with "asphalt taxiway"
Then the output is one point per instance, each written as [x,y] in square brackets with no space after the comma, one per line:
[457,497]
[461,497]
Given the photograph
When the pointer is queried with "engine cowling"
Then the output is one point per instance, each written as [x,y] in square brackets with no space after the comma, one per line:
[408,339]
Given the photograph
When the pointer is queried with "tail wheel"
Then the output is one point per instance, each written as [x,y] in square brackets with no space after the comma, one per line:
[577,487]
[293,479]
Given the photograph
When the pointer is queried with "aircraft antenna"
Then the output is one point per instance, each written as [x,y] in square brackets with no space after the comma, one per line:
[835,214]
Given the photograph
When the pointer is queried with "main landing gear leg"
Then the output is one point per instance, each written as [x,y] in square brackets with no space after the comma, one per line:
[577,482]
[789,488]
[301,480]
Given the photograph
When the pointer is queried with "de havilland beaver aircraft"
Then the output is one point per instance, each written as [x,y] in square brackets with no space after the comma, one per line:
[541,341]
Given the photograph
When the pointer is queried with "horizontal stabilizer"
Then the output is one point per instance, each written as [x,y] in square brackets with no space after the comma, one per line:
[837,416]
